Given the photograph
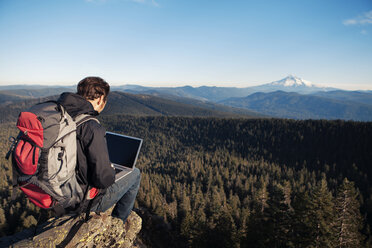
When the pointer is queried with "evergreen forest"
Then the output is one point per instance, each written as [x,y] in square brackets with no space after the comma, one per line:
[219,182]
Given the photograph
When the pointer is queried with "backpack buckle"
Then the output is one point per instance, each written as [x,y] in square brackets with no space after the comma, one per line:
[60,154]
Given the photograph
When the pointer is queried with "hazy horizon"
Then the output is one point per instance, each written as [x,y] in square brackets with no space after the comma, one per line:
[69,84]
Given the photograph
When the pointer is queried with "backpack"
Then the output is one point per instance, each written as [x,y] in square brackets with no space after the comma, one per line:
[44,156]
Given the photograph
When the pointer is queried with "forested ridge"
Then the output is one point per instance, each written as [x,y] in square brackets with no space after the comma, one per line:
[240,183]
[131,104]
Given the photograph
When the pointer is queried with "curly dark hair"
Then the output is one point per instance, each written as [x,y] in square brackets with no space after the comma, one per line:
[93,87]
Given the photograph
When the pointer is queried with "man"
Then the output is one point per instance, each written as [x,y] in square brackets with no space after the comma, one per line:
[95,174]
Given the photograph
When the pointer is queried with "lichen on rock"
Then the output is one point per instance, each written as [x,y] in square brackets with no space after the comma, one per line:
[101,230]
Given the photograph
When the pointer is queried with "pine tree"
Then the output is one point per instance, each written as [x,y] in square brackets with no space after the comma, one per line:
[321,216]
[277,219]
[223,233]
[349,221]
[261,197]
[256,228]
[301,227]
[187,227]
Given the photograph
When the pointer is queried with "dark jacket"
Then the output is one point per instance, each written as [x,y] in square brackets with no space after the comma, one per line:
[93,163]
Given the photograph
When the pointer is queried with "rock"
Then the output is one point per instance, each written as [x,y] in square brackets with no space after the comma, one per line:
[100,231]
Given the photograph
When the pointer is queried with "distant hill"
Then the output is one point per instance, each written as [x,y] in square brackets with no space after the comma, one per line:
[138,105]
[293,105]
[10,111]
[8,98]
[206,104]
[364,97]
[203,93]
[132,104]
[36,92]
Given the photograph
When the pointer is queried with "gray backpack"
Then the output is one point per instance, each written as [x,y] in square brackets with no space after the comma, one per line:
[44,156]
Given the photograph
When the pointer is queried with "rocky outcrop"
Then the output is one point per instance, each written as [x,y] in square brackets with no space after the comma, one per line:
[99,231]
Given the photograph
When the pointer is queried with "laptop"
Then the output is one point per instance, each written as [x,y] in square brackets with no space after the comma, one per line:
[123,152]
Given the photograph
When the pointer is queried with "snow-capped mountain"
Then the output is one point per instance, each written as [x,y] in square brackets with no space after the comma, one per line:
[291,84]
[293,81]
[215,94]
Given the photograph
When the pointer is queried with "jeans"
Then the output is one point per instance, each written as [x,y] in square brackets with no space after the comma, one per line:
[122,193]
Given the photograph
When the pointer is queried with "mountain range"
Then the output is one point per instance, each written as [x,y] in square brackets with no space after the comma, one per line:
[215,94]
[290,97]
[296,106]
[135,105]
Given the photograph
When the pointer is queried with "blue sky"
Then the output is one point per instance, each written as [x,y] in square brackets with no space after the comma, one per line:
[193,42]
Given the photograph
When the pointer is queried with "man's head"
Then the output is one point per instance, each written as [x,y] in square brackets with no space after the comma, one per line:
[95,90]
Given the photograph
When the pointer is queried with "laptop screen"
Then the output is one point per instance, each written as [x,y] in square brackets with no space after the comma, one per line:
[123,150]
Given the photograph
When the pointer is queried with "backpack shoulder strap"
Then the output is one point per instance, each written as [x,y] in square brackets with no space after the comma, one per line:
[80,119]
